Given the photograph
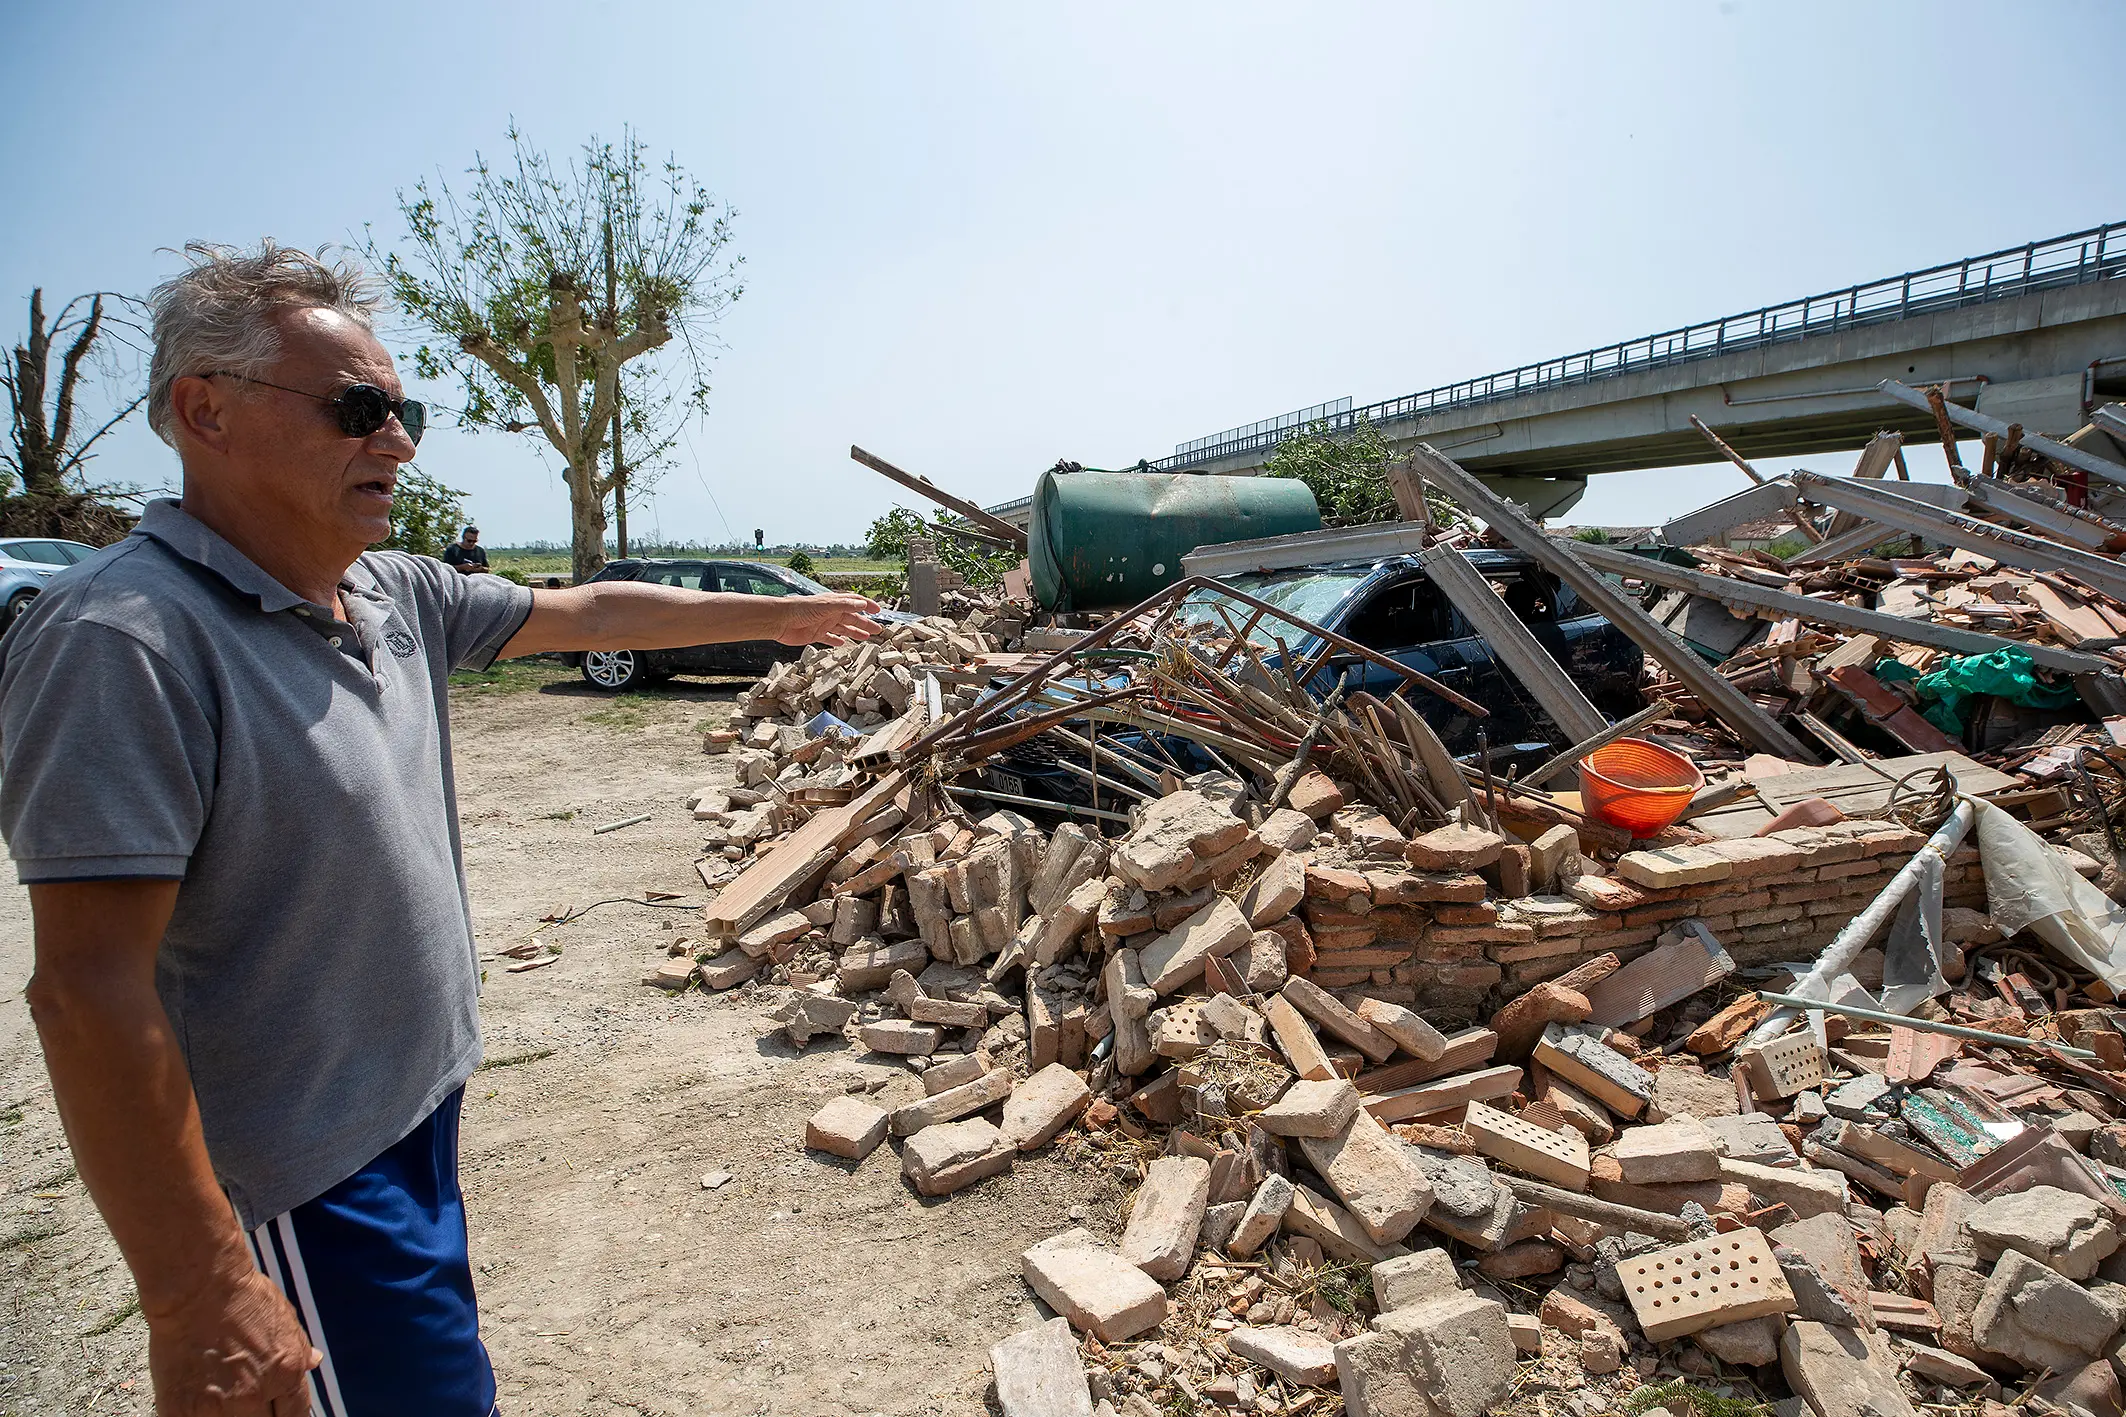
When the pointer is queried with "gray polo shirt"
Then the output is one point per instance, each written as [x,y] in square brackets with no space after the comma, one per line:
[170,711]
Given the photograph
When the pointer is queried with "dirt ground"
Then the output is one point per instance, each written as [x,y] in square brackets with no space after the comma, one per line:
[611,1281]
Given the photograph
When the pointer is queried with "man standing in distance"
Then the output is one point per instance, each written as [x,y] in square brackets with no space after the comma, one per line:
[466,553]
[225,776]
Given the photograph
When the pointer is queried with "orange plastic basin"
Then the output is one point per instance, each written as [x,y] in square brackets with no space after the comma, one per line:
[1637,785]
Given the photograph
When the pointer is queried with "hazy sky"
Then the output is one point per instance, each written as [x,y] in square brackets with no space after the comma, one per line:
[982,238]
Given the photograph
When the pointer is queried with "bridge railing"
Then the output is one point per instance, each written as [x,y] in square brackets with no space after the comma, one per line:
[2081,258]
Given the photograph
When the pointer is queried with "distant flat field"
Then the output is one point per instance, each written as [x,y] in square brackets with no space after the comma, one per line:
[548,563]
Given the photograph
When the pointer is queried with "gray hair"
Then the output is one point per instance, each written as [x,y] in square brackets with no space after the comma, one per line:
[219,314]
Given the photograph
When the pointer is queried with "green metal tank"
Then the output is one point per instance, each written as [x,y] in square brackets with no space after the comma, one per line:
[1106,540]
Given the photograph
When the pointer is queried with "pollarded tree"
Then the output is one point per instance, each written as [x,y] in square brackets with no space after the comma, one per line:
[48,437]
[544,283]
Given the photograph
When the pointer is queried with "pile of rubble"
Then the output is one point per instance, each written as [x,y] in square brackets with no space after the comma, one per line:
[1439,1091]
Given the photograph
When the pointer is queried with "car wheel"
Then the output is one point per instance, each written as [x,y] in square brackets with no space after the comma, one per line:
[18,605]
[614,669]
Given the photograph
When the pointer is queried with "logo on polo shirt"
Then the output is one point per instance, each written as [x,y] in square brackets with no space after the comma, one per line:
[402,643]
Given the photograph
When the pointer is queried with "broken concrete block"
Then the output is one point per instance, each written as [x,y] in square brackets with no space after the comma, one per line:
[1938,1365]
[1094,1288]
[952,1104]
[1523,1259]
[1172,835]
[2060,1229]
[847,1127]
[1802,1191]
[1680,1089]
[1467,1204]
[940,1160]
[1276,891]
[1160,1238]
[1677,1150]
[1408,1031]
[1375,1175]
[1330,1226]
[1038,1373]
[1175,958]
[1454,848]
[1301,1048]
[1413,1278]
[673,974]
[810,1014]
[1371,1374]
[947,1013]
[1232,1020]
[2039,1318]
[901,1036]
[778,929]
[1311,1109]
[1264,1213]
[1673,866]
[1321,1006]
[1220,1221]
[1044,1105]
[1459,1349]
[1835,1372]
[1524,1018]
[1286,830]
[1526,1329]
[1550,851]
[1827,1242]
[1262,961]
[870,963]
[1752,1343]
[1302,1359]
[1750,1136]
[955,1071]
[1315,795]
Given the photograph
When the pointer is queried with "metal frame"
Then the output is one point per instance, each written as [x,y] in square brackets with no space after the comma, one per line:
[2079,258]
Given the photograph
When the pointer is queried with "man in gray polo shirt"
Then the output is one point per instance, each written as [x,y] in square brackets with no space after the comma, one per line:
[225,776]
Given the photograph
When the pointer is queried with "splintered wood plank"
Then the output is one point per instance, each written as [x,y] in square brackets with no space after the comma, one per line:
[1785,1066]
[1659,978]
[1431,1097]
[1557,1157]
[1701,1284]
[1856,789]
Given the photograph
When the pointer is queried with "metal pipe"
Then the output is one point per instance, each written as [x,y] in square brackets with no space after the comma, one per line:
[1842,951]
[1872,390]
[1927,1025]
[1016,800]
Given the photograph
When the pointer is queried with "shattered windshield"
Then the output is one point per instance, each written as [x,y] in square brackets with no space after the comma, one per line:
[1309,594]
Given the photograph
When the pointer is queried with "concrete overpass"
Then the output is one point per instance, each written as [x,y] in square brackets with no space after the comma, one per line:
[2034,335]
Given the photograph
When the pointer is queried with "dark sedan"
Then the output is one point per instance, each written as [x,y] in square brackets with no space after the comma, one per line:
[1390,606]
[745,659]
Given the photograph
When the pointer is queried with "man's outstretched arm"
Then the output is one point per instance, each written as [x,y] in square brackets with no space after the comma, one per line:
[629,615]
[221,1338]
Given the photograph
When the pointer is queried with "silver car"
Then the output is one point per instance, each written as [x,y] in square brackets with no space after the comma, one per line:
[26,563]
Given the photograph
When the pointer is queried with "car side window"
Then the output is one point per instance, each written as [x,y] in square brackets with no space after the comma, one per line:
[1398,616]
[47,553]
[750,582]
[686,577]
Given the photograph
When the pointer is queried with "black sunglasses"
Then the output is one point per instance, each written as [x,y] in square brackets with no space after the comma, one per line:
[361,408]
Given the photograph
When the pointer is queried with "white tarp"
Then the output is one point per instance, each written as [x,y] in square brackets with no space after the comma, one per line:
[2029,886]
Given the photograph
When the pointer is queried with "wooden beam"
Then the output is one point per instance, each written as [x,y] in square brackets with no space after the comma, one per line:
[1983,423]
[923,485]
[1511,642]
[1730,591]
[1757,727]
[1793,504]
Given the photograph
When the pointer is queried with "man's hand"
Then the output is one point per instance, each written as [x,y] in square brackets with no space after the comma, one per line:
[826,619]
[235,1351]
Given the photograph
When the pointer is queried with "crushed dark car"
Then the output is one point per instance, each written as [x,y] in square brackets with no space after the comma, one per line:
[1392,607]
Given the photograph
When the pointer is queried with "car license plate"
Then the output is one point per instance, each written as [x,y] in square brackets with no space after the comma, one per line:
[1008,782]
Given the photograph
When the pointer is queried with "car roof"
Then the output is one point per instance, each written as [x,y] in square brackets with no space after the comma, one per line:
[1482,557]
